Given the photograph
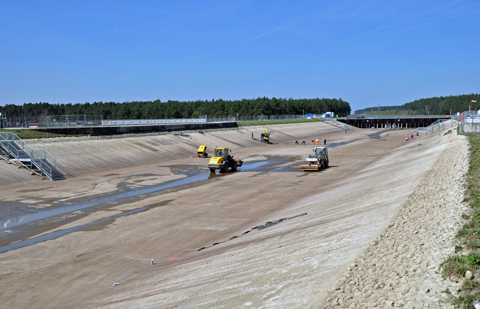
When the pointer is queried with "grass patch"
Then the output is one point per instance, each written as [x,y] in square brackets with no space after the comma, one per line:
[463,232]
[454,265]
[473,259]
[467,258]
[31,134]
[272,122]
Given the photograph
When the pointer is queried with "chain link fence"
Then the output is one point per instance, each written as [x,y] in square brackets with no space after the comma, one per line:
[272,117]
[54,121]
[57,121]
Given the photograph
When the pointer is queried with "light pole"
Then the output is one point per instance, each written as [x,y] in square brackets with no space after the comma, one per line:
[303,115]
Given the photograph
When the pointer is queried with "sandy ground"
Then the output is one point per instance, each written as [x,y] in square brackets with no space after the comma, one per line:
[401,268]
[300,262]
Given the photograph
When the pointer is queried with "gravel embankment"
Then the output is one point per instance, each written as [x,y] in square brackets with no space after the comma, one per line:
[401,268]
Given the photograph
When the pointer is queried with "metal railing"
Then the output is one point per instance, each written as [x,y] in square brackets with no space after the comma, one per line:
[440,124]
[61,121]
[40,158]
[52,161]
[469,122]
[271,117]
[22,155]
[54,121]
[335,122]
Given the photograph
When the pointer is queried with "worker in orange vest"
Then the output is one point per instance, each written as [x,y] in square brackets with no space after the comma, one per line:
[324,141]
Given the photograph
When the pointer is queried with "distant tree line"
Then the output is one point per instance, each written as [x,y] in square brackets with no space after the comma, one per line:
[429,106]
[181,109]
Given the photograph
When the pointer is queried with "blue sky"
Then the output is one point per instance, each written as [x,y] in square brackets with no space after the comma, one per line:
[368,53]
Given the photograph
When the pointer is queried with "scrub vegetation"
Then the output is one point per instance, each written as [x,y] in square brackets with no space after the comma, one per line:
[467,254]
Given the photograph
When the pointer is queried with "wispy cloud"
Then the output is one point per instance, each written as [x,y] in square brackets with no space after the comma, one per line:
[264,34]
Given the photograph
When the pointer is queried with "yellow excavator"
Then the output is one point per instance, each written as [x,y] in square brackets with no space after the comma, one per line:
[222,160]
[265,137]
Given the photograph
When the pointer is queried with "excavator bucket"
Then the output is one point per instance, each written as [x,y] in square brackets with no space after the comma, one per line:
[312,167]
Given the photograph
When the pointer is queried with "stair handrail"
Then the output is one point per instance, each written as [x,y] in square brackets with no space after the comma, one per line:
[33,158]
[12,137]
[41,165]
[52,160]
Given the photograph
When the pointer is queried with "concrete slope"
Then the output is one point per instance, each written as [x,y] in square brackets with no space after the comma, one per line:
[85,155]
[290,265]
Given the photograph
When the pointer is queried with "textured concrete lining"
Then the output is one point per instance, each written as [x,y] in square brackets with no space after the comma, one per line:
[82,155]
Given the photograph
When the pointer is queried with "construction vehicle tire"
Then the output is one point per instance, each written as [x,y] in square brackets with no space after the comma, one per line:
[326,163]
[234,166]
[323,165]
[225,168]
[212,170]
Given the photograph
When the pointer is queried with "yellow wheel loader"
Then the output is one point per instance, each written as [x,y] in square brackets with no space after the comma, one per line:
[202,151]
[319,160]
[222,160]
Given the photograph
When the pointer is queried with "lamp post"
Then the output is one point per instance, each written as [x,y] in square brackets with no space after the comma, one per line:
[303,115]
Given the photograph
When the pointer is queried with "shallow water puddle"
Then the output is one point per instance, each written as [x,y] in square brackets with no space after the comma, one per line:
[116,197]
[57,234]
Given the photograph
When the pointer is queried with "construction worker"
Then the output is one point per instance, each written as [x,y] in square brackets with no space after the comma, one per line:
[406,138]
[296,143]
[324,141]
[318,142]
[418,134]
[313,142]
[411,136]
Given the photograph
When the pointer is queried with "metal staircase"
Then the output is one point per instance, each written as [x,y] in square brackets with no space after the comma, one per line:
[14,150]
[334,122]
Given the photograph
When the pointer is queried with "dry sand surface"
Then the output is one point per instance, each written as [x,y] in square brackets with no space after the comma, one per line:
[378,222]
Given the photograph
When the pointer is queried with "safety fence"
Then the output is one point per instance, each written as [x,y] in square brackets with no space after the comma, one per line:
[54,121]
[57,121]
[273,117]
[469,122]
